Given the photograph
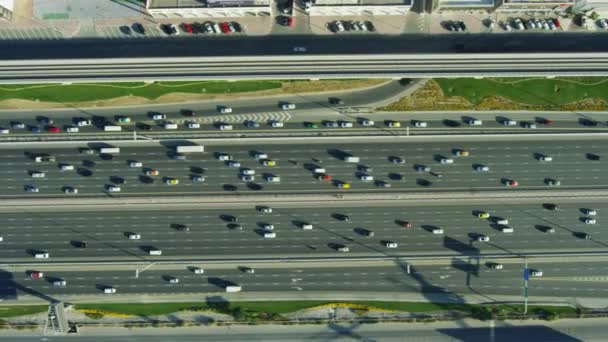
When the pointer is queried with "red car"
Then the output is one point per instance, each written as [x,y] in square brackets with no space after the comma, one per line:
[187,27]
[556,22]
[325,177]
[53,129]
[406,224]
[36,275]
[511,183]
[546,122]
[290,21]
[224,28]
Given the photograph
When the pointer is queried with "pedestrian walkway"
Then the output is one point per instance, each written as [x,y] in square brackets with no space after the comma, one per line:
[115,32]
[33,33]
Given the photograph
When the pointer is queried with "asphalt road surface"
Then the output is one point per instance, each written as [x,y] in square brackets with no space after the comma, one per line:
[572,166]
[560,279]
[316,45]
[213,235]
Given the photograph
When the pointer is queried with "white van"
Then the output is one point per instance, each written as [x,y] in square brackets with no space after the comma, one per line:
[260,156]
[319,170]
[170,126]
[109,290]
[506,230]
[307,226]
[502,221]
[437,231]
[155,251]
[270,235]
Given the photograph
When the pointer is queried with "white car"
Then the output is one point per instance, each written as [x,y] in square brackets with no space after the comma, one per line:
[398,160]
[173,280]
[277,124]
[339,26]
[109,290]
[159,117]
[273,179]
[247,178]
[483,238]
[193,125]
[496,266]
[368,123]
[72,129]
[70,190]
[225,110]
[197,178]
[437,231]
[18,125]
[198,270]
[270,235]
[482,168]
[232,163]
[225,127]
[268,226]
[346,124]
[474,122]
[136,164]
[287,106]
[249,172]
[420,124]
[59,282]
[545,158]
[113,188]
[343,249]
[32,189]
[590,212]
[590,221]
[83,123]
[265,210]
[390,244]
[509,123]
[66,167]
[224,157]
[134,237]
[366,178]
[536,273]
[38,174]
[529,125]
[447,161]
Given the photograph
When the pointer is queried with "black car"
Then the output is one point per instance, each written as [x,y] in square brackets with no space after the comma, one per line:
[168,29]
[283,20]
[79,244]
[125,29]
[144,127]
[336,101]
[370,26]
[139,28]
[188,112]
[237,26]
[343,217]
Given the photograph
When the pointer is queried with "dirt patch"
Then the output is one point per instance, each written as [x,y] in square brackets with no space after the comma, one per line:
[431,98]
[296,87]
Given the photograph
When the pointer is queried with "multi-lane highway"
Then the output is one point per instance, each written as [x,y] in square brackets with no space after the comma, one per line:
[575,164]
[238,234]
[560,279]
[279,57]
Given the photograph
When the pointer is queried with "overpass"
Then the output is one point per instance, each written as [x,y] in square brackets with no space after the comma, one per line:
[304,57]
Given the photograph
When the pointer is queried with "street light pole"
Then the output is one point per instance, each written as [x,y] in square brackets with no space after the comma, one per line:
[526,276]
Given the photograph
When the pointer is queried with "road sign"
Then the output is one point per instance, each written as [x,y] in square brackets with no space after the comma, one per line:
[526,273]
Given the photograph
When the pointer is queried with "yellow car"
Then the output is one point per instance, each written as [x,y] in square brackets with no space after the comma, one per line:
[483,214]
[269,162]
[172,181]
[461,153]
[344,185]
[394,124]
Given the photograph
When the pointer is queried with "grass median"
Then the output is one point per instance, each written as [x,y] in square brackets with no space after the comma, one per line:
[21,310]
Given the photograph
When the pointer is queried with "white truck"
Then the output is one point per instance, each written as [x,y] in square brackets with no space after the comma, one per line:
[233,288]
[109,128]
[190,149]
[109,150]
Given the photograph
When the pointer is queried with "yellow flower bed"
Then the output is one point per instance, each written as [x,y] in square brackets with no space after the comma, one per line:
[353,306]
[103,312]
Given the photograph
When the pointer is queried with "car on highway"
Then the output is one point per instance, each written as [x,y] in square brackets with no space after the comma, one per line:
[123,119]
[364,168]
[35,129]
[70,190]
[437,231]
[367,123]
[287,106]
[536,273]
[589,220]
[589,212]
[311,125]
[66,167]
[113,188]
[225,127]
[37,174]
[324,177]
[461,153]
[509,122]
[346,124]
[473,122]
[53,129]
[233,163]
[267,226]
[393,124]
[252,124]
[344,185]
[59,282]
[41,255]
[265,210]
[192,125]
[273,179]
[225,110]
[481,168]
[545,158]
[398,160]
[529,125]
[511,183]
[496,266]
[31,188]
[277,124]
[109,290]
[249,270]
[247,178]
[224,156]
[179,156]
[483,214]
[483,238]
[135,164]
[406,224]
[330,124]
[5,131]
[36,274]
[446,161]
[197,270]
[366,178]
[151,172]
[342,217]
[173,280]
[197,178]
[133,236]
[420,124]
[422,168]
[553,182]
[390,244]
[269,162]
[171,181]
[17,125]
[336,101]
[342,248]
[83,123]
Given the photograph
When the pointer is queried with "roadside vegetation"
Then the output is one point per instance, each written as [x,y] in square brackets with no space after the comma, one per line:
[576,93]
[21,310]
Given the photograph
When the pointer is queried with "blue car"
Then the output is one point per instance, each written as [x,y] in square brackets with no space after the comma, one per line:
[35,129]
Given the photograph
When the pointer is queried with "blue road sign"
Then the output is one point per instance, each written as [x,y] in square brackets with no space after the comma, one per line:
[526,273]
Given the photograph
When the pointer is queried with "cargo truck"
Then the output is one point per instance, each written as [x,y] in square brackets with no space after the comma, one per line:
[190,149]
[233,288]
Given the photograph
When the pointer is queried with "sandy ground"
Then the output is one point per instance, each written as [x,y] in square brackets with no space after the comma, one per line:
[288,88]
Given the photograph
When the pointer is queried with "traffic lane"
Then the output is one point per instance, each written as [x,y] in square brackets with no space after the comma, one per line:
[559,279]
[566,165]
[212,233]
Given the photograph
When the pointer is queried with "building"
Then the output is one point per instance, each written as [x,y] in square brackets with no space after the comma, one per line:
[532,5]
[6,9]
[359,7]
[207,8]
[439,5]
